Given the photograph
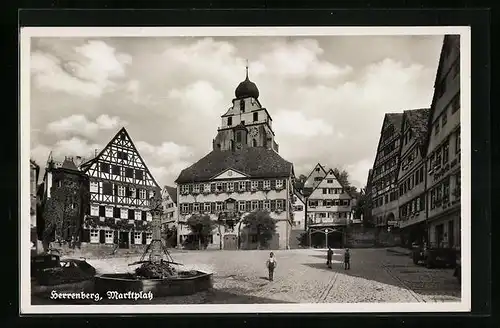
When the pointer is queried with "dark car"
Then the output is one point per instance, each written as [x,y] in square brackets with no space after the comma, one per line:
[49,270]
[433,256]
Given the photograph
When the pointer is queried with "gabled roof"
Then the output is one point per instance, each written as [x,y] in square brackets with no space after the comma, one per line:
[256,162]
[68,164]
[85,166]
[172,192]
[395,118]
[417,120]
[338,180]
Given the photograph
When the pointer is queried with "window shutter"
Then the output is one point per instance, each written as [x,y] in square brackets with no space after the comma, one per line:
[102,237]
[130,214]
[260,184]
[115,236]
[86,235]
[212,187]
[273,184]
[248,185]
[143,215]
[102,211]
[144,238]
[132,238]
[115,189]
[137,193]
[127,191]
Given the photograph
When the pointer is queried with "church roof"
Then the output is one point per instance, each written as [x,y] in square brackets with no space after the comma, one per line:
[247,89]
[256,162]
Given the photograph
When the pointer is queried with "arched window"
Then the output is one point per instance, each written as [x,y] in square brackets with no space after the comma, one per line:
[254,142]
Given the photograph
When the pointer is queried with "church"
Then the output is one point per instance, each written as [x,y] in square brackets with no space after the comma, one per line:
[242,173]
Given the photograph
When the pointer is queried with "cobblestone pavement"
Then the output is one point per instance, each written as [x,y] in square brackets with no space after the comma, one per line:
[376,275]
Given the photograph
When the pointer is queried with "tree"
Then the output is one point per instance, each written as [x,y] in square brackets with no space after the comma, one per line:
[299,183]
[201,226]
[363,207]
[343,178]
[262,225]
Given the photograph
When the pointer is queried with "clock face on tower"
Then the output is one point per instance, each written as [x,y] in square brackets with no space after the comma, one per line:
[253,132]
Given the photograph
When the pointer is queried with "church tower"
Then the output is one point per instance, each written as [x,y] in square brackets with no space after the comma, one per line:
[246,123]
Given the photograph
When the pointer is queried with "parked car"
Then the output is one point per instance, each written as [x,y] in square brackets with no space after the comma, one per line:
[433,256]
[49,270]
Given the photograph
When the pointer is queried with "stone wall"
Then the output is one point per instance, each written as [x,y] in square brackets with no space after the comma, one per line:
[92,251]
[361,237]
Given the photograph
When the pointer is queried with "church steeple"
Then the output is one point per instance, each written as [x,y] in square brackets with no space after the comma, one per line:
[247,88]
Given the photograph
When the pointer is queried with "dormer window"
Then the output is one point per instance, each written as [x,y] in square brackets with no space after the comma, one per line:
[229,121]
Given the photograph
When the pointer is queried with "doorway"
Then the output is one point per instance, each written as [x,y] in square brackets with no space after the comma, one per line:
[124,241]
[230,242]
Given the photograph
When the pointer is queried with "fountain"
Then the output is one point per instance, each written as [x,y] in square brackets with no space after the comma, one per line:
[157,272]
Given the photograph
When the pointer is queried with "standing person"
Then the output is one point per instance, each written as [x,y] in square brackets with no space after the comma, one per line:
[329,255]
[271,265]
[347,259]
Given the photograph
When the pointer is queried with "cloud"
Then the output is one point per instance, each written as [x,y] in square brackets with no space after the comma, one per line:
[78,124]
[299,59]
[358,172]
[89,70]
[198,97]
[167,152]
[296,123]
[67,147]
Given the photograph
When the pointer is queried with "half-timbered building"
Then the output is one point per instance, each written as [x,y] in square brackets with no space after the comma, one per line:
[121,187]
[169,203]
[411,176]
[443,150]
[329,207]
[243,173]
[385,192]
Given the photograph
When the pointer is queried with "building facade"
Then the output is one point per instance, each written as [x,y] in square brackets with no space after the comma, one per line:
[120,186]
[384,190]
[64,199]
[412,177]
[243,173]
[329,208]
[443,150]
[299,207]
[169,202]
[34,173]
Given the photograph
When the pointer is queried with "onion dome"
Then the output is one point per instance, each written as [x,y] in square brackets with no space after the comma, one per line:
[247,89]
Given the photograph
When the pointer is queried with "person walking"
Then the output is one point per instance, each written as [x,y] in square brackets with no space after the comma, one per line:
[271,265]
[347,259]
[329,255]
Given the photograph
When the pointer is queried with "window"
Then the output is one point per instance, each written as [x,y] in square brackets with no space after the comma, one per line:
[184,189]
[279,204]
[121,191]
[206,187]
[149,237]
[206,207]
[229,121]
[196,188]
[444,118]
[457,142]
[137,238]
[151,194]
[386,198]
[116,170]
[94,236]
[255,185]
[94,186]
[243,185]
[107,188]
[218,186]
[138,174]
[446,152]
[255,205]
[132,192]
[149,217]
[218,206]
[255,116]
[196,207]
[241,206]
[238,136]
[436,128]
[243,122]
[242,105]
[108,237]
[279,184]
[324,190]
[94,210]
[455,103]
[313,203]
[104,167]
[109,211]
[122,155]
[329,181]
[123,213]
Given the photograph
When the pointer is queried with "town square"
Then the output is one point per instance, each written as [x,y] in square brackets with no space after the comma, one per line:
[178,170]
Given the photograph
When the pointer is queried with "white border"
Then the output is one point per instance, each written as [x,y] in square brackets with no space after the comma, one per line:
[24,234]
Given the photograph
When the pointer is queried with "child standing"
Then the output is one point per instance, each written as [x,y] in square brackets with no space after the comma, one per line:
[347,259]
[271,265]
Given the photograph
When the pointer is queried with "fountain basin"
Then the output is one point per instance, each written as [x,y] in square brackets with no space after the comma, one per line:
[186,283]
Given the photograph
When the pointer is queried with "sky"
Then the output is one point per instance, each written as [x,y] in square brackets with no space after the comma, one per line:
[327,95]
